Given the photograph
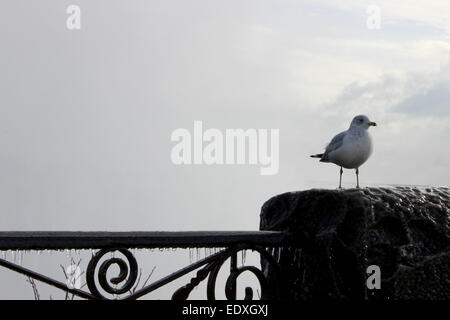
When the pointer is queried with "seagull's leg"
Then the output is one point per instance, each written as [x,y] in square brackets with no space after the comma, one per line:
[357,178]
[340,178]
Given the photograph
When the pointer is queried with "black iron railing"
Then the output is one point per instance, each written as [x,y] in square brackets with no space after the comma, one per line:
[99,287]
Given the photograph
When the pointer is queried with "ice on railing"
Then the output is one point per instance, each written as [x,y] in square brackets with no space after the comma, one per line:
[243,256]
[14,256]
[195,253]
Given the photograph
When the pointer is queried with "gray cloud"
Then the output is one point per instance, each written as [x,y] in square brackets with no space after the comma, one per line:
[433,102]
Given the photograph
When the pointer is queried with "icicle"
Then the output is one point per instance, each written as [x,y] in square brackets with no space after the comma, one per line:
[191,253]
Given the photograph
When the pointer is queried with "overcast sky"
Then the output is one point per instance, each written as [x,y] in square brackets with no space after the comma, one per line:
[86,115]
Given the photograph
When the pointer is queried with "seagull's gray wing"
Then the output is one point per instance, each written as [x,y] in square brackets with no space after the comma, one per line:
[335,144]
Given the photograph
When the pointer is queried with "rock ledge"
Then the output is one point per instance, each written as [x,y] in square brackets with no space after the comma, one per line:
[403,230]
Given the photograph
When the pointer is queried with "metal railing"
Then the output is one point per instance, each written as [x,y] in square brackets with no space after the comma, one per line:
[99,287]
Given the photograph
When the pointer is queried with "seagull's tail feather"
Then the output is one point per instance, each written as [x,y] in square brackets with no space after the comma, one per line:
[323,157]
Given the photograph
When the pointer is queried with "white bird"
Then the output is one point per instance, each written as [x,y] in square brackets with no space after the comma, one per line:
[351,148]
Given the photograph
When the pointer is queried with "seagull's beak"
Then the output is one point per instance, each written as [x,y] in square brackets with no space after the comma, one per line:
[373,124]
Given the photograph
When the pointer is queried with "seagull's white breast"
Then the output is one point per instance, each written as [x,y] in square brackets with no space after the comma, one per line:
[355,150]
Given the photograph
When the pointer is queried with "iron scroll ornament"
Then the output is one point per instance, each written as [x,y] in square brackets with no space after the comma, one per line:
[211,270]
[128,273]
[210,267]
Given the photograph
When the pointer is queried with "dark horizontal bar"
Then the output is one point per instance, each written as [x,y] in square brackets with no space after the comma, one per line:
[39,240]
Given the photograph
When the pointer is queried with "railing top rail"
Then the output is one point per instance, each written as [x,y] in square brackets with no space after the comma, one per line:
[56,240]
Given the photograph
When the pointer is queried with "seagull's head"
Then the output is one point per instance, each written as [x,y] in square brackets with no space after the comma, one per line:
[362,121]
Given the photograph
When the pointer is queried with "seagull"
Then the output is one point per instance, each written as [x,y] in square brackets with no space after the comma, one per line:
[351,148]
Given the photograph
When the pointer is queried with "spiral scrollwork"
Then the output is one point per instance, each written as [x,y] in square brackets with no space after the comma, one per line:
[235,272]
[212,268]
[123,282]
[230,286]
